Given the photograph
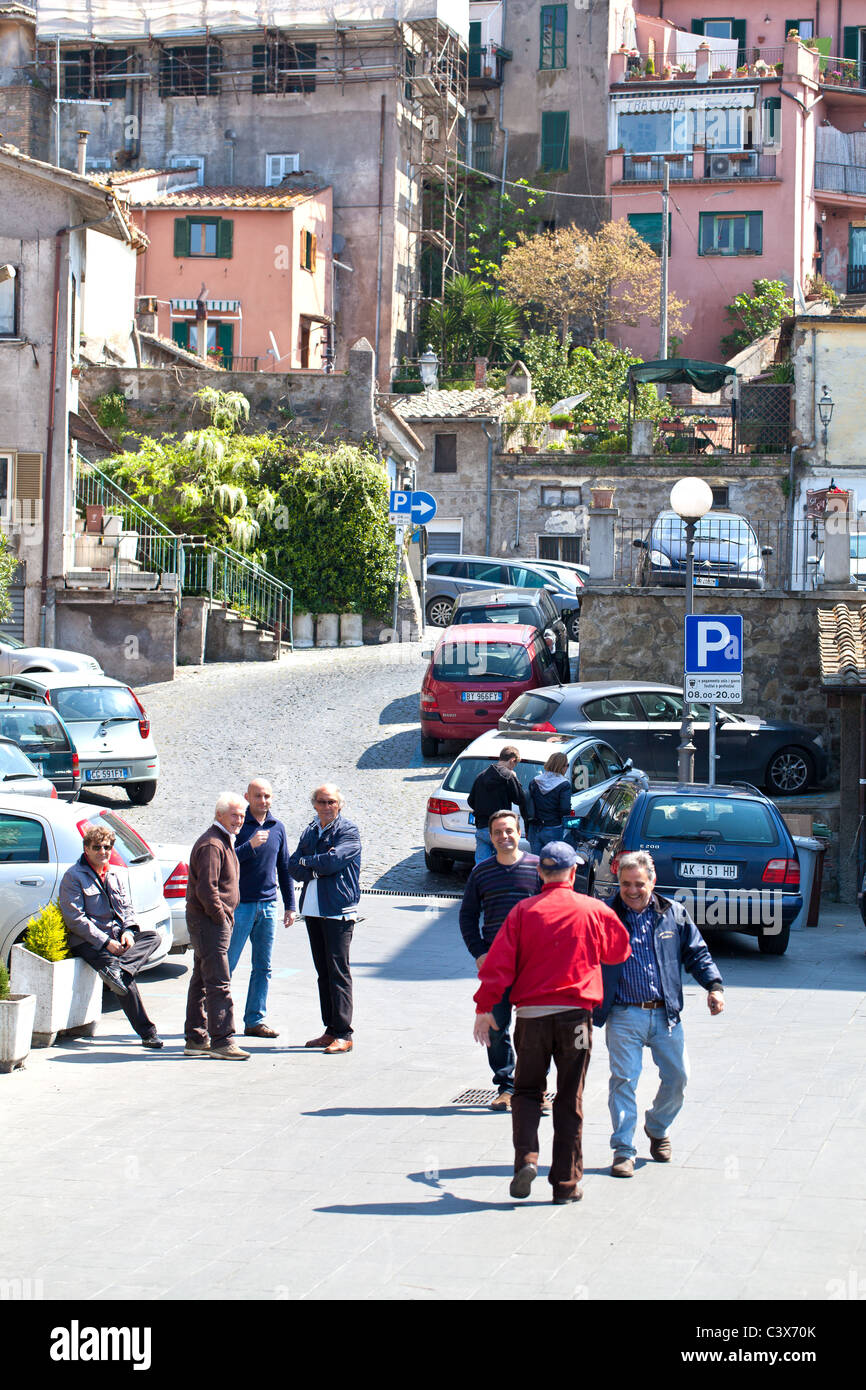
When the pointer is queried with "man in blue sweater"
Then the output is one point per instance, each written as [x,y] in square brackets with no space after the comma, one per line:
[492,889]
[262,849]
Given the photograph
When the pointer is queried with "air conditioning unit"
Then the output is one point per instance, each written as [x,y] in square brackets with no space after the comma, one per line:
[725,166]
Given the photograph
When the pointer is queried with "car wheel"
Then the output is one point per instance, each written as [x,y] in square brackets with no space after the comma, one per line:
[439,611]
[789,772]
[774,945]
[429,747]
[140,793]
[436,861]
[574,626]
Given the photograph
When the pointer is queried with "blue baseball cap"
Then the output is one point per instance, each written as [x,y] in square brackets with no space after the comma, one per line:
[559,855]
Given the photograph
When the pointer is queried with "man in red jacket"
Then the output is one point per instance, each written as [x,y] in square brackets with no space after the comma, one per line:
[549,952]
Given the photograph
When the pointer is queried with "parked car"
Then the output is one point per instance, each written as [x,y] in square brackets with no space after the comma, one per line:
[41,734]
[174,867]
[564,569]
[474,672]
[533,606]
[727,553]
[15,658]
[108,724]
[642,721]
[450,575]
[724,851]
[19,775]
[42,838]
[857,541]
[449,825]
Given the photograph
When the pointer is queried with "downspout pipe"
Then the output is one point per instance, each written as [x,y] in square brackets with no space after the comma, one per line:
[380,252]
[489,520]
[52,411]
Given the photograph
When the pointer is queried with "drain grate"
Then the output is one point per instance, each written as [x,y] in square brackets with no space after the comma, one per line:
[474,1096]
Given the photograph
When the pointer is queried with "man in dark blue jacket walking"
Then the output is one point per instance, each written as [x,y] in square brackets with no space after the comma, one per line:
[643,1000]
[328,861]
[262,849]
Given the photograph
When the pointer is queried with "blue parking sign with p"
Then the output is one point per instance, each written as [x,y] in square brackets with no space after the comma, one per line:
[714,644]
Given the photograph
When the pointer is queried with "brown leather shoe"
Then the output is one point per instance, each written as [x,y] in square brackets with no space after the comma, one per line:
[660,1149]
[622,1166]
[260,1030]
[323,1041]
[339,1045]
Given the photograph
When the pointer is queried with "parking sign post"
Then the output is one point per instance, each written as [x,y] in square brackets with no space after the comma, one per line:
[713,667]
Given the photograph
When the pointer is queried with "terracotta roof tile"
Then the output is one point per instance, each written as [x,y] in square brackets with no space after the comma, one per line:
[451,405]
[842,644]
[198,197]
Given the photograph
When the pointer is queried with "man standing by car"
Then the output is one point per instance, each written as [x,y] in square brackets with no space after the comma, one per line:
[496,789]
[211,899]
[328,861]
[643,1000]
[262,849]
[548,952]
[493,888]
[100,921]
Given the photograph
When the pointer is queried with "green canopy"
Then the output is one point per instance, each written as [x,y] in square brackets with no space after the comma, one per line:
[704,376]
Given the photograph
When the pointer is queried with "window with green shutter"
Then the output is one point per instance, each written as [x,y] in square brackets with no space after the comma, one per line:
[180,334]
[648,226]
[554,141]
[731,234]
[724,28]
[203,237]
[475,48]
[554,24]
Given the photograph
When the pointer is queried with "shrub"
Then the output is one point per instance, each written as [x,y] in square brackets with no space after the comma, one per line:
[4,981]
[46,934]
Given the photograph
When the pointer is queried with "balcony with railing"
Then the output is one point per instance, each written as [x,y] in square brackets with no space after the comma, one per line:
[730,165]
[486,64]
[840,178]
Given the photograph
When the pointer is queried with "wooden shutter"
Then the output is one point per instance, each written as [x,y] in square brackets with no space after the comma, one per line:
[28,486]
[697,26]
[475,48]
[180,334]
[738,32]
[225,342]
[554,140]
[181,236]
[313,245]
[648,225]
[225,237]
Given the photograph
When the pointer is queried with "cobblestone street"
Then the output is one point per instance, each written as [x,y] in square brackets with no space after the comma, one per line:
[347,715]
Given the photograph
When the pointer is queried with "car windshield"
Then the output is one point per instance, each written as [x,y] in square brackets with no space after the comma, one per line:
[37,729]
[10,643]
[462,775]
[515,614]
[719,537]
[709,818]
[77,704]
[13,762]
[482,661]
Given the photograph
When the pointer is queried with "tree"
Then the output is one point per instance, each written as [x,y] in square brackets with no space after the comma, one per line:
[571,277]
[756,314]
[495,224]
[8,566]
[601,369]
[470,322]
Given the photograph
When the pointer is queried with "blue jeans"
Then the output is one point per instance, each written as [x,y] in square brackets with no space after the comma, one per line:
[256,923]
[541,835]
[629,1030]
[483,844]
[500,1051]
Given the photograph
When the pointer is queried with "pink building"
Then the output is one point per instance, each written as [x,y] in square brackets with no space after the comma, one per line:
[765,139]
[259,258]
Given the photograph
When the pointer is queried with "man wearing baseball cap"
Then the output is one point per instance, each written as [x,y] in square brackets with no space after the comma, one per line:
[549,952]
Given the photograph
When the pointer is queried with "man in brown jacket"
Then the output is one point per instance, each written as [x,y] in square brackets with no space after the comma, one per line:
[211,899]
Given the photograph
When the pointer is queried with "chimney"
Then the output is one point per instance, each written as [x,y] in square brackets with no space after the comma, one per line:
[201,323]
[480,372]
[146,313]
[82,150]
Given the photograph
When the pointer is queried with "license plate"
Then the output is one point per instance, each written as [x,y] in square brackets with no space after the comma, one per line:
[105,774]
[706,582]
[708,871]
[487,697]
[471,817]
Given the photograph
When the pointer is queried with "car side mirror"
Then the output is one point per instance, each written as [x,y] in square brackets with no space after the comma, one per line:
[639,544]
[766,550]
[627,765]
[573,822]
[427,656]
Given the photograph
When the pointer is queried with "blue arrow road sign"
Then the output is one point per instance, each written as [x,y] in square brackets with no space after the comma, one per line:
[423,508]
[714,644]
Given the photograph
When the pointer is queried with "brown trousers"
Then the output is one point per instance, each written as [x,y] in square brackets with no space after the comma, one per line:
[565,1039]
[209,1010]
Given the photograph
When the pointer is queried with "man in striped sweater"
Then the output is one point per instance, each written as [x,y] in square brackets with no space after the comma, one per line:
[492,889]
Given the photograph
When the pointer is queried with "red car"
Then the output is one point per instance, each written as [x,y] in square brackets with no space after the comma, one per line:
[476,671]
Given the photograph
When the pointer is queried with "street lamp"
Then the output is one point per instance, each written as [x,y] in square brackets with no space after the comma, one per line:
[428,364]
[691,498]
[825,412]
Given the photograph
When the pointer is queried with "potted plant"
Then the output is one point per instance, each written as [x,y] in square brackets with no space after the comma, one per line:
[723,72]
[779,68]
[818,288]
[848,72]
[560,422]
[706,422]
[684,72]
[667,72]
[601,497]
[68,992]
[16,1024]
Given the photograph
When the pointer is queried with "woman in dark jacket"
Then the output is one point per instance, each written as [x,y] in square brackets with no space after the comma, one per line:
[550,800]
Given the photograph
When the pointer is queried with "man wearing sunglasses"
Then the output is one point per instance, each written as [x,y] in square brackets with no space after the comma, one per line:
[327,861]
[100,922]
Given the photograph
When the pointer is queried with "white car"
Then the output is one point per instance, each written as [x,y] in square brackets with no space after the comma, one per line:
[174,867]
[41,838]
[15,658]
[449,825]
[108,726]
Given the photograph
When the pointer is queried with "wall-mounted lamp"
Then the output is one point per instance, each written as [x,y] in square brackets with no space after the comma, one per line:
[825,407]
[824,215]
[428,364]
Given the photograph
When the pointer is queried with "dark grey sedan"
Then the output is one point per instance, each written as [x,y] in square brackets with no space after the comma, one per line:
[642,722]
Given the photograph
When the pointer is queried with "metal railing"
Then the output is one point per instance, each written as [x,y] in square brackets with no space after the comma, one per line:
[650,168]
[856,279]
[783,555]
[840,178]
[733,164]
[842,72]
[226,577]
[758,62]
[154,548]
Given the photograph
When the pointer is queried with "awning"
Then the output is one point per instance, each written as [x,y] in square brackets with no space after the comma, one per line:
[698,100]
[704,376]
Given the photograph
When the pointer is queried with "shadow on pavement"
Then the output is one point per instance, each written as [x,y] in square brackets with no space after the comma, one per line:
[396,751]
[411,875]
[401,711]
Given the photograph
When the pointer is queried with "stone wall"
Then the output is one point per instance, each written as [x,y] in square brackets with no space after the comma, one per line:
[324,405]
[133,636]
